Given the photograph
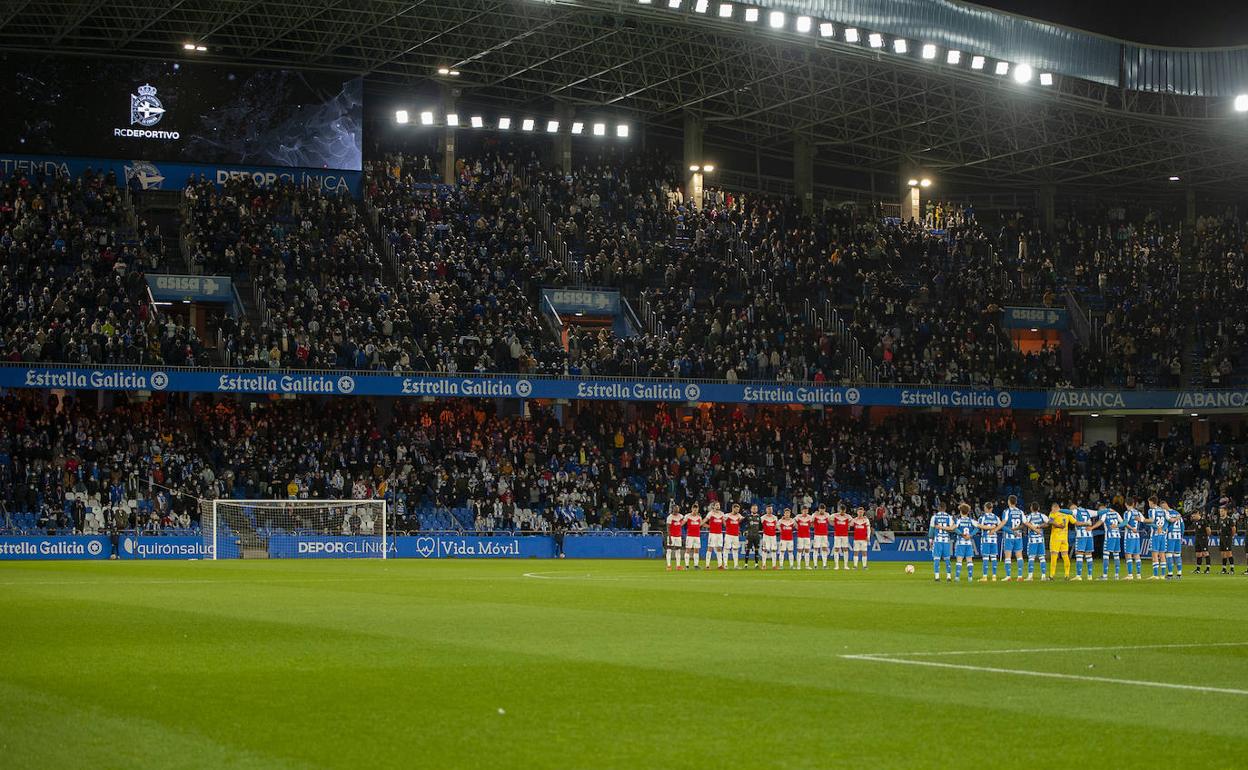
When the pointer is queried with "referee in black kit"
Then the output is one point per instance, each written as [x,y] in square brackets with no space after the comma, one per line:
[1226,534]
[753,535]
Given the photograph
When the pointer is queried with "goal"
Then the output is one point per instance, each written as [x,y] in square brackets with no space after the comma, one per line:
[295,529]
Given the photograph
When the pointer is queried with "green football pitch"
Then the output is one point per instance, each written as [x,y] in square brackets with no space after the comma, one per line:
[610,664]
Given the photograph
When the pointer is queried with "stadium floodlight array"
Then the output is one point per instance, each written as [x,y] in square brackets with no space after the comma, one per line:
[430,118]
[803,24]
[296,529]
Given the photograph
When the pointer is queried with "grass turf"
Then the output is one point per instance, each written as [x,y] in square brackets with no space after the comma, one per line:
[603,664]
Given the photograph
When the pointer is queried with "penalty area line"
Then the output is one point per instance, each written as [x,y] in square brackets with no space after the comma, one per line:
[1047,674]
[1024,650]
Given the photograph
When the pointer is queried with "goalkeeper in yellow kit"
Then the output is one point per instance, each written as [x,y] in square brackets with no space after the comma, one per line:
[1060,520]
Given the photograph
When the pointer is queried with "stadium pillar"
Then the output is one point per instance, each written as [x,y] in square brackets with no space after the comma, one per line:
[694,128]
[448,137]
[1048,207]
[804,173]
[563,138]
[909,198]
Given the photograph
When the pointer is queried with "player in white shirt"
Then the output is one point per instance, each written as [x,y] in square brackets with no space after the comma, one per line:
[803,520]
[693,537]
[821,521]
[714,535]
[732,536]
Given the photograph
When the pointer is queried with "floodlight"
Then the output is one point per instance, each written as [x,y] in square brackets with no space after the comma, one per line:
[953,57]
[725,10]
[700,6]
[1174,178]
[504,124]
[552,126]
[426,118]
[851,35]
[578,127]
[803,24]
[900,46]
[600,129]
[708,168]
[400,116]
[444,71]
[695,167]
[673,4]
[751,15]
[189,46]
[1046,78]
[1003,68]
[977,62]
[929,51]
[622,131]
[478,121]
[1241,103]
[826,29]
[876,40]
[913,183]
[452,119]
[201,48]
[925,182]
[776,19]
[1022,73]
[526,124]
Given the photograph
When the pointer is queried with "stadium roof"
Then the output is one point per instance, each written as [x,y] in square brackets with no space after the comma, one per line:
[865,107]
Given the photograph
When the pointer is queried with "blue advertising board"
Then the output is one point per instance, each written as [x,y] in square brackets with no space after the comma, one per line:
[598,302]
[171,547]
[199,288]
[1035,318]
[613,546]
[149,175]
[432,546]
[55,547]
[282,382]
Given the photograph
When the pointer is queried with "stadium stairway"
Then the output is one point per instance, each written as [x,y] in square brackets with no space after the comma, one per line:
[164,208]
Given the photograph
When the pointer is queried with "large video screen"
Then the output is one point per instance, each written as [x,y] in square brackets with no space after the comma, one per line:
[177,111]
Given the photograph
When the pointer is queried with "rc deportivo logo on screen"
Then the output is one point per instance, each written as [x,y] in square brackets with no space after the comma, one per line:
[146,110]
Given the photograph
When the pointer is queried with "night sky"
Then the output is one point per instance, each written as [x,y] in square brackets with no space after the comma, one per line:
[1177,22]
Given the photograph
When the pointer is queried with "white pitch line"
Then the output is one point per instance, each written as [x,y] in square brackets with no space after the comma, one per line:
[1022,650]
[1049,675]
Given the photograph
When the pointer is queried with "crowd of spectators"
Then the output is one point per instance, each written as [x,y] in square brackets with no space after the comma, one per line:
[468,267]
[603,466]
[71,277]
[1221,264]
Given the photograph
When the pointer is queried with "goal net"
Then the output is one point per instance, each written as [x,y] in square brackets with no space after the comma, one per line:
[295,529]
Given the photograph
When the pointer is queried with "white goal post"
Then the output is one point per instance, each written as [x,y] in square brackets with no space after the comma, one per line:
[295,529]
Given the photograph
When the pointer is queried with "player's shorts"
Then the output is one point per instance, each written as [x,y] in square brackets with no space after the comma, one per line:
[693,543]
[1111,547]
[1174,545]
[1083,544]
[732,542]
[1157,544]
[1202,544]
[1131,546]
[1011,543]
[803,544]
[860,546]
[676,541]
[821,542]
[769,542]
[942,550]
[1035,548]
[715,540]
[963,551]
[840,541]
[1226,543]
[987,548]
[786,545]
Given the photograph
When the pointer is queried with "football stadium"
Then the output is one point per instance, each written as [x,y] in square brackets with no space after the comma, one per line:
[508,383]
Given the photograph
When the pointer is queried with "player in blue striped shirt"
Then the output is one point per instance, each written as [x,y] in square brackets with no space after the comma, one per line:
[1013,535]
[1156,520]
[1174,542]
[964,543]
[1131,542]
[989,525]
[940,530]
[1084,525]
[1035,524]
[1111,520]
